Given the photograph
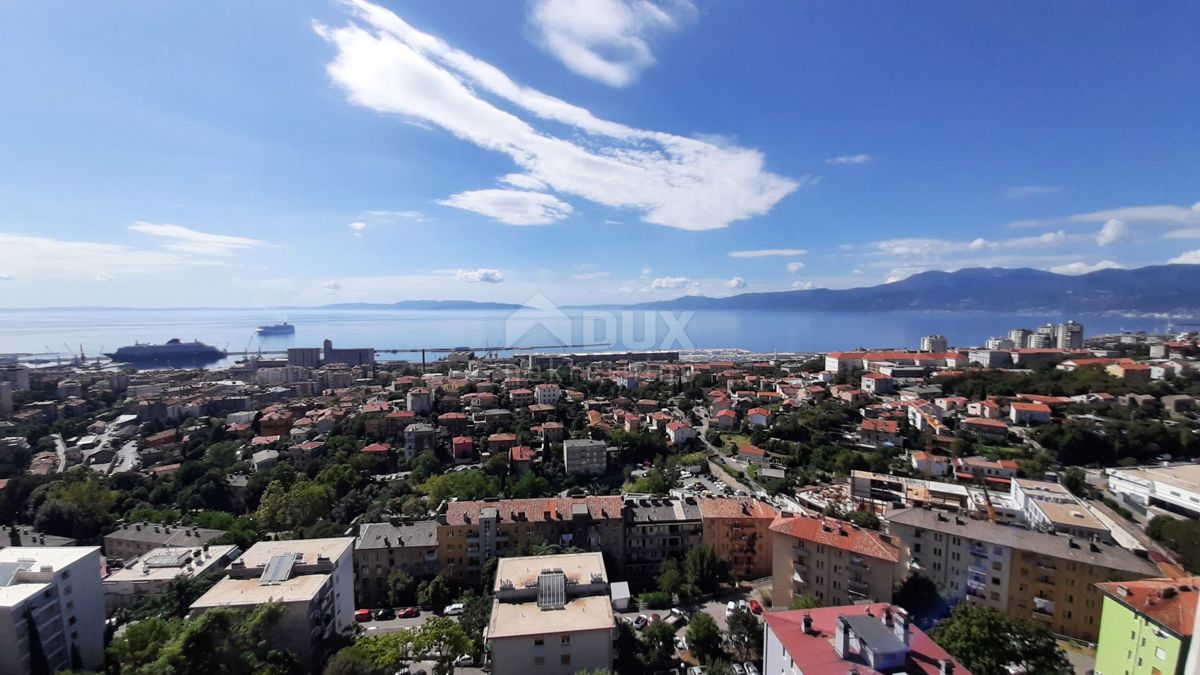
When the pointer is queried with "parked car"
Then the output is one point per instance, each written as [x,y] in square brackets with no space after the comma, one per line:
[695,670]
[455,609]
[362,615]
[739,669]
[681,643]
[641,621]
[755,607]
[385,614]
[730,608]
[464,661]
[751,669]
[408,612]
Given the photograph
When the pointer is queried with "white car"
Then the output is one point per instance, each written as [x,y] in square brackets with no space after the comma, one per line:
[465,660]
[730,608]
[681,643]
[738,669]
[751,669]
[453,610]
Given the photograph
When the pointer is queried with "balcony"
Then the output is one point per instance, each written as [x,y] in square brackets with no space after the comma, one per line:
[1042,615]
[798,552]
[858,587]
[1045,579]
[978,551]
[857,561]
[1045,564]
[977,569]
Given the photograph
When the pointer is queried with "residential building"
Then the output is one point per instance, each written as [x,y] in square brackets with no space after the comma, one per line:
[883,490]
[470,532]
[658,529]
[877,431]
[750,454]
[419,401]
[1020,337]
[835,561]
[983,426]
[552,615]
[1044,577]
[999,343]
[868,639]
[25,535]
[1173,487]
[462,448]
[584,457]
[520,459]
[131,540]
[758,417]
[418,438]
[739,530]
[877,384]
[54,593]
[1069,335]
[312,579]
[1028,413]
[976,468]
[548,394]
[930,464]
[383,548]
[150,573]
[679,432]
[1147,626]
[1052,507]
[934,344]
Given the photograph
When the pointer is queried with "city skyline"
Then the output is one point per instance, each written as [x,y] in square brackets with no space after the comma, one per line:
[314,153]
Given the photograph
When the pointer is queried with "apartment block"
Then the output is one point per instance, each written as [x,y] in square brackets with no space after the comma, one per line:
[1045,577]
[132,540]
[739,530]
[313,579]
[52,594]
[470,532]
[658,529]
[150,573]
[1148,626]
[383,548]
[837,562]
[584,457]
[551,615]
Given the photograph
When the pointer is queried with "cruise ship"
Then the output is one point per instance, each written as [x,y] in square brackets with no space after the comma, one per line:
[172,353]
[284,328]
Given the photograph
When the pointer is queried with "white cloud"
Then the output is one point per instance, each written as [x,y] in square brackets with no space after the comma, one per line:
[523,181]
[513,207]
[481,275]
[803,285]
[396,215]
[924,248]
[590,276]
[358,226]
[1023,191]
[1185,233]
[1084,268]
[850,159]
[856,271]
[795,266]
[736,282]
[1114,231]
[606,40]
[386,65]
[332,286]
[1187,258]
[103,277]
[6,277]
[766,252]
[669,282]
[187,240]
[646,271]
[32,257]
[1165,214]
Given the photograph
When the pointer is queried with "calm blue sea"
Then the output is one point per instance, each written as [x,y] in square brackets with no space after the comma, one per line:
[100,330]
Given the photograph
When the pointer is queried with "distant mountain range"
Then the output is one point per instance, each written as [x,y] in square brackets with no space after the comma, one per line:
[423,304]
[1171,289]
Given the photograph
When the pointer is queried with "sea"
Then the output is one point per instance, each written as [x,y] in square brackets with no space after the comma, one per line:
[93,332]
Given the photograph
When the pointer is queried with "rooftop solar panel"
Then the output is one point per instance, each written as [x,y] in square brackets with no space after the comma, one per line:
[277,570]
[552,589]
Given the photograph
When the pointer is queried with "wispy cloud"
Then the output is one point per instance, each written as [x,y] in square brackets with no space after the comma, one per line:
[803,285]
[512,207]
[481,275]
[1187,258]
[32,257]
[767,252]
[1114,231]
[850,159]
[795,266]
[386,65]
[1163,214]
[187,240]
[736,282]
[1084,268]
[669,283]
[383,215]
[606,40]
[925,248]
[1024,191]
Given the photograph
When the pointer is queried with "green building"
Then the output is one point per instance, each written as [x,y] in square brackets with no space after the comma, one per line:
[1146,627]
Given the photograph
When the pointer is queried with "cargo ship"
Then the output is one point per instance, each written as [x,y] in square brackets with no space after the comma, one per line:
[284,328]
[172,353]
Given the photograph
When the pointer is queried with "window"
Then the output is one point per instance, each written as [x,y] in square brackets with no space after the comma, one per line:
[565,659]
[539,660]
[539,642]
[1160,653]
[564,640]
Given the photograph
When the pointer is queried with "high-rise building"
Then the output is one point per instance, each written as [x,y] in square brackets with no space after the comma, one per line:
[934,344]
[1069,335]
[831,560]
[996,343]
[585,456]
[53,595]
[1040,340]
[1147,626]
[1020,337]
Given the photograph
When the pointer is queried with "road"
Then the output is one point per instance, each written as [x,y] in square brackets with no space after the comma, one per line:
[60,447]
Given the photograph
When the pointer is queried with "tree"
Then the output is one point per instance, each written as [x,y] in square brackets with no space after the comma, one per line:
[1075,480]
[804,602]
[658,640]
[990,643]
[401,588]
[719,668]
[704,638]
[290,508]
[745,634]
[918,595]
[436,593]
[864,519]
[350,661]
[443,640]
[477,613]
[704,569]
[671,579]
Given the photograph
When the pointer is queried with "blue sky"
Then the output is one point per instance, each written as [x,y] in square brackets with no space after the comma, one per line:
[285,152]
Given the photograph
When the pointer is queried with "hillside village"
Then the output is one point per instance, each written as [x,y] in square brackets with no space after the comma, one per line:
[354,504]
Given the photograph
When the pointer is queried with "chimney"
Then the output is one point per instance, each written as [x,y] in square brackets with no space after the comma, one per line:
[841,638]
[887,617]
[806,622]
[14,536]
[900,627]
[945,667]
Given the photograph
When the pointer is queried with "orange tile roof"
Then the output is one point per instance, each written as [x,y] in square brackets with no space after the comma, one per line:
[1171,603]
[467,512]
[743,507]
[830,532]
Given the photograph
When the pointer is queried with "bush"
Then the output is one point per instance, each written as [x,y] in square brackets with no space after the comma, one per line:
[1181,536]
[655,600]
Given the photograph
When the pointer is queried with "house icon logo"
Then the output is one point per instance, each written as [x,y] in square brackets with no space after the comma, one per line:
[539,321]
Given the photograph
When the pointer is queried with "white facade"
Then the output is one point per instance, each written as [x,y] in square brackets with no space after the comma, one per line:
[583,456]
[153,571]
[59,588]
[548,394]
[1173,487]
[934,344]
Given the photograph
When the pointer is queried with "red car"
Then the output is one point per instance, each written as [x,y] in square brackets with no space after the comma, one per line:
[408,612]
[755,607]
[362,615]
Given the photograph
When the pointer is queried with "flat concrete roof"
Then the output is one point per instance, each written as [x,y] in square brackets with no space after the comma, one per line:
[1181,476]
[524,571]
[239,592]
[262,552]
[164,564]
[526,618]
